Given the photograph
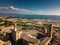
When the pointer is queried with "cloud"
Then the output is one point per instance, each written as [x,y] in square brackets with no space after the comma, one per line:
[14,10]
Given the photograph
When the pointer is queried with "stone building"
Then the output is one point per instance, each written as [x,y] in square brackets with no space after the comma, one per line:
[5,42]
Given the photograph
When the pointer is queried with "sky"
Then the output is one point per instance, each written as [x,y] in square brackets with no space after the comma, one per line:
[38,7]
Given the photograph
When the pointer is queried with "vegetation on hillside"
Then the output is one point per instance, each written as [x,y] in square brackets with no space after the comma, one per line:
[6,23]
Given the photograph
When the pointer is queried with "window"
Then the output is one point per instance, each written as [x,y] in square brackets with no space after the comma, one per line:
[0,29]
[3,44]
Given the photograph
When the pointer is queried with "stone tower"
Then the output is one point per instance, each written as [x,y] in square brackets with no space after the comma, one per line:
[49,31]
[16,34]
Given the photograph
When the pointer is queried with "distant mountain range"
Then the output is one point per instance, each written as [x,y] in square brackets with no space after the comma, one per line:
[52,17]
